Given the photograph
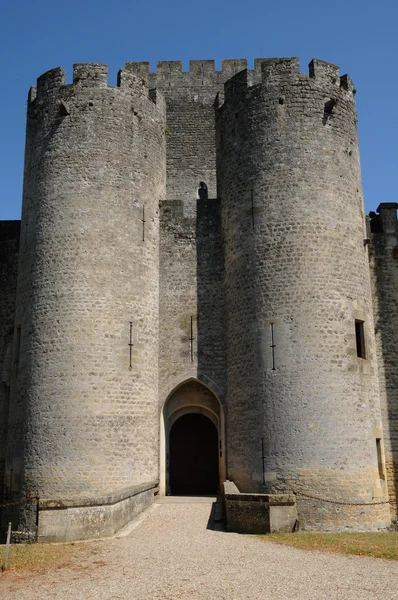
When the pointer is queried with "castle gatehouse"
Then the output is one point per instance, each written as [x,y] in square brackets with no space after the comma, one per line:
[194,296]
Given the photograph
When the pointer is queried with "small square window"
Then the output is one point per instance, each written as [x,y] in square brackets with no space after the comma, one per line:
[360,338]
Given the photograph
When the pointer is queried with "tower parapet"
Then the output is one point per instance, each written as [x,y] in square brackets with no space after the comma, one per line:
[201,72]
[301,387]
[276,71]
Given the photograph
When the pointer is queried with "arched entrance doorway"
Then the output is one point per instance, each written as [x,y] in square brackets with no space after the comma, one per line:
[192,457]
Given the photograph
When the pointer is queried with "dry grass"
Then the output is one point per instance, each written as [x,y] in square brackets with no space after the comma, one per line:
[376,545]
[39,557]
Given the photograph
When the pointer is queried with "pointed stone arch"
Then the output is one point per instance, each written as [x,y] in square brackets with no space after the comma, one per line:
[191,396]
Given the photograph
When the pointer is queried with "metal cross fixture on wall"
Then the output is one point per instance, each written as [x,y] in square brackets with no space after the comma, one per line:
[143,223]
[272,346]
[191,338]
[131,344]
[252,197]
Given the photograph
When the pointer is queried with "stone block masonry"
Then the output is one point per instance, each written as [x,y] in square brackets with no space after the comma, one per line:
[83,419]
[64,521]
[197,230]
[296,281]
[191,276]
[259,513]
[384,272]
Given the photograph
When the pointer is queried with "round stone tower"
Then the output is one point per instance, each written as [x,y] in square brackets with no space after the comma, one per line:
[85,385]
[302,388]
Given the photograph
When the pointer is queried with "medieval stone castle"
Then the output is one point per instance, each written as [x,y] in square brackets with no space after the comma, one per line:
[194,295]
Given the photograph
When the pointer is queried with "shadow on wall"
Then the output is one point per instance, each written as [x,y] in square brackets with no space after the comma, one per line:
[210,299]
[213,328]
[384,229]
[9,250]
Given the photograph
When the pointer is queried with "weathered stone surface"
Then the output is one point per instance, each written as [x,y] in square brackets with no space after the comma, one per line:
[85,421]
[94,517]
[296,280]
[384,271]
[259,513]
[251,292]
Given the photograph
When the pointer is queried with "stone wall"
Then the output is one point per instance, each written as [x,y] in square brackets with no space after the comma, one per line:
[9,244]
[191,285]
[384,271]
[190,132]
[296,281]
[258,287]
[94,172]
[66,520]
[259,513]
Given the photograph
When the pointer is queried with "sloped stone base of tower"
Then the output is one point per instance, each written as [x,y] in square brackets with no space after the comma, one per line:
[326,501]
[323,516]
[392,479]
[85,518]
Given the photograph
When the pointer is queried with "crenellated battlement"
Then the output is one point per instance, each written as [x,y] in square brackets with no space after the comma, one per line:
[385,220]
[276,71]
[48,82]
[88,76]
[279,68]
[137,76]
[324,71]
[201,72]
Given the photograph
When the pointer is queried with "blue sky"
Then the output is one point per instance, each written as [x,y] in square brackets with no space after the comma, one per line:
[358,35]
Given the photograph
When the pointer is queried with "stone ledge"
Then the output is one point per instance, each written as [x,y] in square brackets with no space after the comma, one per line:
[90,518]
[259,513]
[271,499]
[108,499]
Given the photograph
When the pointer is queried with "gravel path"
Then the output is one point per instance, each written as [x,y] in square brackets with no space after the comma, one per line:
[172,555]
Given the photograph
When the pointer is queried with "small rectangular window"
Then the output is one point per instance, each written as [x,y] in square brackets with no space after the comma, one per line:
[380,459]
[360,338]
[17,344]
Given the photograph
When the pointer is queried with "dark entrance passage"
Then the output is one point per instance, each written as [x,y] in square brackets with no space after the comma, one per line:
[193,456]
